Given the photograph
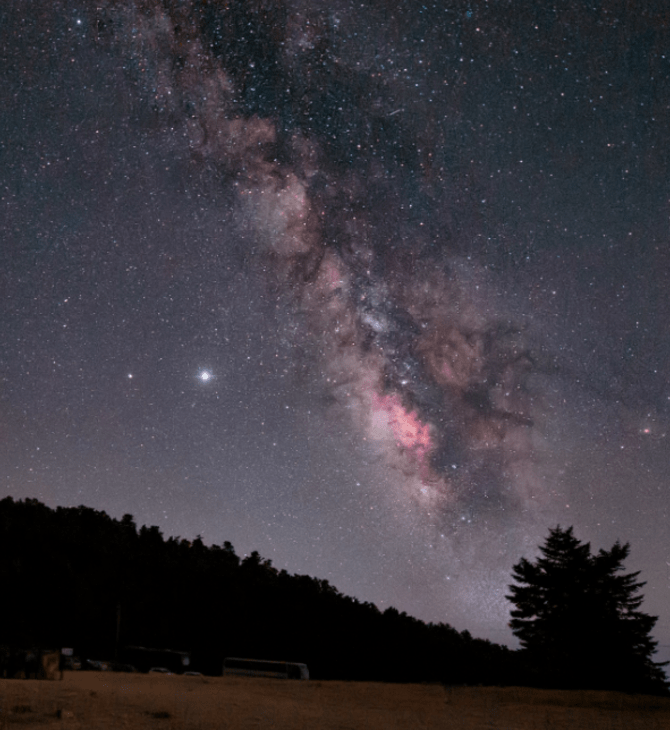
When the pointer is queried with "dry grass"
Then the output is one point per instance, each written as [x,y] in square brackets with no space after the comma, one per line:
[107,701]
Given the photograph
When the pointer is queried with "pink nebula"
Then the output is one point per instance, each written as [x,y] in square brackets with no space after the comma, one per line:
[412,435]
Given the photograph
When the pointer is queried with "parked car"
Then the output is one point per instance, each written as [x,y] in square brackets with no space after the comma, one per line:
[97,665]
[120,667]
[72,663]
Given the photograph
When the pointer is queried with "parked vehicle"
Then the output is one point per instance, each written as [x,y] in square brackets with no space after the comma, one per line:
[145,658]
[265,668]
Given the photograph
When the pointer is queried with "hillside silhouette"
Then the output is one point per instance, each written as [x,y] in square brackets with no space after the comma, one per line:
[77,577]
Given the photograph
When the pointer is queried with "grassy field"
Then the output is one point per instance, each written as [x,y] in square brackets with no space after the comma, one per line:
[102,700]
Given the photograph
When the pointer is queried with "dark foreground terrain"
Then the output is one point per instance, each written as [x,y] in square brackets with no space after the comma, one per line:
[92,700]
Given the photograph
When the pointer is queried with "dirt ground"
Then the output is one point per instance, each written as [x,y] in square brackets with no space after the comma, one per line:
[115,701]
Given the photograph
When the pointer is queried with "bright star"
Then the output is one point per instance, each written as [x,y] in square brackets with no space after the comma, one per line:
[205,375]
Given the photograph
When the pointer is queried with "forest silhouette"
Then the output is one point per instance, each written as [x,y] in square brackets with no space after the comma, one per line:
[76,577]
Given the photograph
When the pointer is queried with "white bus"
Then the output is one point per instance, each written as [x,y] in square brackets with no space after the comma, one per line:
[264,668]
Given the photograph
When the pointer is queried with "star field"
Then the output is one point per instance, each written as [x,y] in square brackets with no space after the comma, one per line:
[378,290]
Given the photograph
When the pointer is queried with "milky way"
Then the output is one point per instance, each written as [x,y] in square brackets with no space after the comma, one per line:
[373,288]
[429,373]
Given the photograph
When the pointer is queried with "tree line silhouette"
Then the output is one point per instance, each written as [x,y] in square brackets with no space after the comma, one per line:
[79,578]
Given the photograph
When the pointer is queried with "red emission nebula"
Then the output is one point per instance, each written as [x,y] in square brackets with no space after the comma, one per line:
[412,436]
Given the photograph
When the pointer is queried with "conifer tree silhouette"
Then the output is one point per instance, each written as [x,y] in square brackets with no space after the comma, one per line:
[578,619]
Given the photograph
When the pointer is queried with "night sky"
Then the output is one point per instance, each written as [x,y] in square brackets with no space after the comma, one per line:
[378,289]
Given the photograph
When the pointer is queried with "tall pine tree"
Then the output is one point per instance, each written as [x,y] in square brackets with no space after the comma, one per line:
[578,619]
